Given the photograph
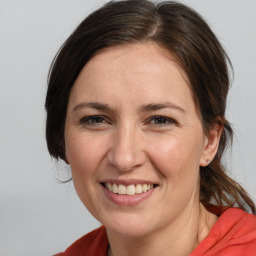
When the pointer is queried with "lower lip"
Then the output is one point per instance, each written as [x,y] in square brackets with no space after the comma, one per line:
[126,200]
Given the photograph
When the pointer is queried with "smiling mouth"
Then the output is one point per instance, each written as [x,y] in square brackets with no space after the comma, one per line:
[129,190]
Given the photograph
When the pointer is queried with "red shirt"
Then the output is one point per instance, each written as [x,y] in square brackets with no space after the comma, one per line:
[234,234]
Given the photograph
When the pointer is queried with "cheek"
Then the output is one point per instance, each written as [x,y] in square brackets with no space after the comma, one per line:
[176,161]
[83,153]
[176,157]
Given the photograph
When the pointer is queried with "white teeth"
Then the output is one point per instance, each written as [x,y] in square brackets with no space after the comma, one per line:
[128,190]
[121,189]
[114,187]
[138,189]
[109,186]
[144,187]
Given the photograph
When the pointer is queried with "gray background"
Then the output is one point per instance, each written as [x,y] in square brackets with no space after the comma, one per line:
[38,216]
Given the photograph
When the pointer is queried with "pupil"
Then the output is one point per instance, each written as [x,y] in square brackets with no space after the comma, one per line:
[96,119]
[160,120]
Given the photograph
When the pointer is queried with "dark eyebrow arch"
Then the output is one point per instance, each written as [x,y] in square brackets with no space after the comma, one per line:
[158,106]
[94,105]
[144,108]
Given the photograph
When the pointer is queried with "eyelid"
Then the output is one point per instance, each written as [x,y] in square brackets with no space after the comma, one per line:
[84,120]
[168,119]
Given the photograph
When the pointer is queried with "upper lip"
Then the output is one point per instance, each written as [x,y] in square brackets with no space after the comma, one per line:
[128,182]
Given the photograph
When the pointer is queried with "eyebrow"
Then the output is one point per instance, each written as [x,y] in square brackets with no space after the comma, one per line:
[94,105]
[144,108]
[158,106]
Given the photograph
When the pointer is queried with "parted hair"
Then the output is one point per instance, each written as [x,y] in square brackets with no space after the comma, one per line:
[184,33]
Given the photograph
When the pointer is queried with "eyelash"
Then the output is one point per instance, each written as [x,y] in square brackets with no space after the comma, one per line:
[154,120]
[166,120]
[94,120]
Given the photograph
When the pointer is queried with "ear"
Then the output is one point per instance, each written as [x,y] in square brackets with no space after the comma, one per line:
[211,145]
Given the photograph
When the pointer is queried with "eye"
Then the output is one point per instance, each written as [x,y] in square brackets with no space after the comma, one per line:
[161,120]
[93,120]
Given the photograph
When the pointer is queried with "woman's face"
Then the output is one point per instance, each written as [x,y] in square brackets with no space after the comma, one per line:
[134,139]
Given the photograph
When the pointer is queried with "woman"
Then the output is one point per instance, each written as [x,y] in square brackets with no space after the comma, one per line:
[136,105]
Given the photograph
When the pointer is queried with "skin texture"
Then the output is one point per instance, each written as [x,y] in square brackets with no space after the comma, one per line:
[125,141]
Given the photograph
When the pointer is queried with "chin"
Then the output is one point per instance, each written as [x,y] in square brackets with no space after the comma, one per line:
[130,226]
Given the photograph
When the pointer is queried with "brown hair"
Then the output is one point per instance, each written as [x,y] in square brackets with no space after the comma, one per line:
[186,35]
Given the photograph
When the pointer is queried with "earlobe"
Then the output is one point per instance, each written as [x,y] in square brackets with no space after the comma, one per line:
[211,146]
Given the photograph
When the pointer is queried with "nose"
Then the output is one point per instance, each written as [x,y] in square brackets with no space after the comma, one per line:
[126,151]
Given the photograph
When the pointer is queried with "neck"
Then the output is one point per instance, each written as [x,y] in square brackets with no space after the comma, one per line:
[179,238]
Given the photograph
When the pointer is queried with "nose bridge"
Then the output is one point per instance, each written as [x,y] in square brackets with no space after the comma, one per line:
[126,150]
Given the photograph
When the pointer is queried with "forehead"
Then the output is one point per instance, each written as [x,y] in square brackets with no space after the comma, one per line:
[135,70]
[142,57]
